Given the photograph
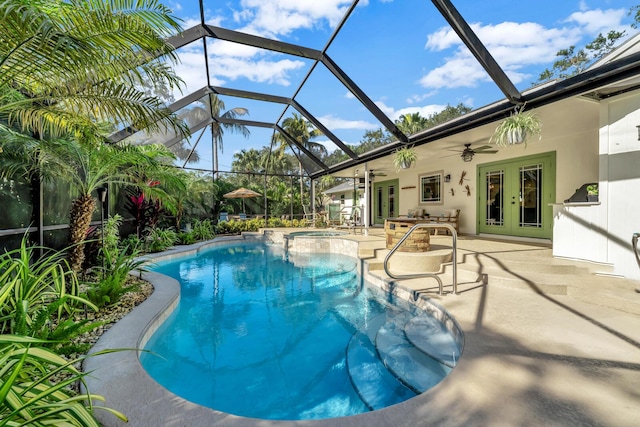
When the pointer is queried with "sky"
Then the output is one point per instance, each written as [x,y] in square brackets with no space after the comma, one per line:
[402,53]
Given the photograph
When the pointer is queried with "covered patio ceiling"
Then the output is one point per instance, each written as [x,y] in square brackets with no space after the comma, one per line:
[317,86]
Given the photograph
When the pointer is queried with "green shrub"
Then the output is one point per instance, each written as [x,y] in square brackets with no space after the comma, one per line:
[111,233]
[29,394]
[29,284]
[132,244]
[203,230]
[160,239]
[113,278]
[186,238]
[58,335]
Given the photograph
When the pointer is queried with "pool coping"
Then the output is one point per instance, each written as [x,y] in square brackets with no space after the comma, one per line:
[127,387]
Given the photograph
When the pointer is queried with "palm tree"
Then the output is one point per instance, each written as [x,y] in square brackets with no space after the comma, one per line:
[411,124]
[213,107]
[216,107]
[67,66]
[302,131]
[87,167]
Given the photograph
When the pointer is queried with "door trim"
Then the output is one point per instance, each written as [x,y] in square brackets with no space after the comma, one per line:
[511,168]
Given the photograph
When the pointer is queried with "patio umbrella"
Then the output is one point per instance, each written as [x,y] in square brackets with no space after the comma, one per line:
[242,193]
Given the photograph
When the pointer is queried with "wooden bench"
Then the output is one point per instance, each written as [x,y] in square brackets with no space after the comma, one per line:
[451,217]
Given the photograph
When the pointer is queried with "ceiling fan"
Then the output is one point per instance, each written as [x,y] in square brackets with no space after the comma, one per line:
[468,152]
[373,174]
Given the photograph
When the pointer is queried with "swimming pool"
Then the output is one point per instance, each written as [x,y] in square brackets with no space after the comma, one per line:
[262,335]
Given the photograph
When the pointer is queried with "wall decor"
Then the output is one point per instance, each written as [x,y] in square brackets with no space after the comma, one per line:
[466,187]
[453,193]
[447,177]
[431,190]
[408,187]
[462,177]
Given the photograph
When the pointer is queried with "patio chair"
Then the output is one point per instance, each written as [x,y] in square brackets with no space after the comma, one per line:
[353,220]
[224,216]
[243,216]
[307,215]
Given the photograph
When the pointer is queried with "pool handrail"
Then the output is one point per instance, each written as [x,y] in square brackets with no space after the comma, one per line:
[454,244]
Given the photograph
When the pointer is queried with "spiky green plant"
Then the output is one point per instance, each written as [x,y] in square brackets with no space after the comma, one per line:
[30,394]
[29,284]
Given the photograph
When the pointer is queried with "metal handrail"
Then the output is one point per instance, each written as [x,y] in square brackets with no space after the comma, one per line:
[454,244]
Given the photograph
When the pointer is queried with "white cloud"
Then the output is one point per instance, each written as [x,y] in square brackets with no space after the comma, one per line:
[333,123]
[456,72]
[261,71]
[415,98]
[513,45]
[425,110]
[272,18]
[598,20]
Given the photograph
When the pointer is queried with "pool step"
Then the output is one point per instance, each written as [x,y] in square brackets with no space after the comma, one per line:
[413,367]
[432,338]
[375,385]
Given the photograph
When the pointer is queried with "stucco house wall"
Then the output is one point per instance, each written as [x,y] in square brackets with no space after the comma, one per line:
[620,180]
[570,128]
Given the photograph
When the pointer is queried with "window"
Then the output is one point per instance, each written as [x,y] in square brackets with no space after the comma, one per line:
[431,188]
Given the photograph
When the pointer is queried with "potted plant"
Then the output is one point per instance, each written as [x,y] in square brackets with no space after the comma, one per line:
[516,128]
[592,193]
[404,157]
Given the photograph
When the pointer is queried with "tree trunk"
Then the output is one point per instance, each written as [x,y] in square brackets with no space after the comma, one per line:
[80,218]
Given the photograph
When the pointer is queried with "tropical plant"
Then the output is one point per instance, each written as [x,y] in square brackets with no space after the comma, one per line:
[302,131]
[86,167]
[186,238]
[110,235]
[411,123]
[517,128]
[592,189]
[160,239]
[214,107]
[29,284]
[404,157]
[31,395]
[203,230]
[112,283]
[69,65]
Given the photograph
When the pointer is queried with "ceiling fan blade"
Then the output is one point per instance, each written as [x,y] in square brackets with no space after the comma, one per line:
[486,151]
[450,155]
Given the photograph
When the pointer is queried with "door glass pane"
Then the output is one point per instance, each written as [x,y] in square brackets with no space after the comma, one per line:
[530,196]
[379,204]
[495,198]
[392,201]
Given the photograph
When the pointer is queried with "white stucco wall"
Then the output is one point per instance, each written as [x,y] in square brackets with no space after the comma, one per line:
[620,180]
[570,128]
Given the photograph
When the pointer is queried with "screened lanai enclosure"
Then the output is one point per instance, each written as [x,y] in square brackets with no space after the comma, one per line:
[275,96]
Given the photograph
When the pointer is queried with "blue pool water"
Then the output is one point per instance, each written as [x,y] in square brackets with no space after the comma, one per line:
[261,335]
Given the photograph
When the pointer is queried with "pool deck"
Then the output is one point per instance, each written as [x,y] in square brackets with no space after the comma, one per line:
[535,353]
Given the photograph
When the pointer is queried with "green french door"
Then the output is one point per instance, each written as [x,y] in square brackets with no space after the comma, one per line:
[385,200]
[514,196]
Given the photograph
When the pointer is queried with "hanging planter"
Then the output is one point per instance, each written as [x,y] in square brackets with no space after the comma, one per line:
[516,128]
[404,158]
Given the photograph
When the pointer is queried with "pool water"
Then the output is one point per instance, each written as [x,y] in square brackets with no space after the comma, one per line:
[261,335]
